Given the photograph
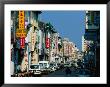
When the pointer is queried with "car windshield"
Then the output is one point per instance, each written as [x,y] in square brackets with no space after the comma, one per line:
[41,65]
[51,65]
[45,65]
[34,66]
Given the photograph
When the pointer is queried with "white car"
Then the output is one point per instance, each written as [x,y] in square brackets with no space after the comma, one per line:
[44,66]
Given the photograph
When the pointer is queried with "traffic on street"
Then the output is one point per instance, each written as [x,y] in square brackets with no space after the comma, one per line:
[57,70]
[39,49]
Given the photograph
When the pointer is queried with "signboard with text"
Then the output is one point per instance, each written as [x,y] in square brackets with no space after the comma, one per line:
[21,31]
[22,42]
[33,40]
[21,20]
[47,42]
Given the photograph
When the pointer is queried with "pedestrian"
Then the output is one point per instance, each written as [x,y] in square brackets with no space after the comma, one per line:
[67,71]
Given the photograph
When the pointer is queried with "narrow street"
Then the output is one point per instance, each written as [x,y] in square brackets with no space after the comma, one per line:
[74,73]
[38,48]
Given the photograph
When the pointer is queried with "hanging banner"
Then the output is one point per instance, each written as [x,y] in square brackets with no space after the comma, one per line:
[22,42]
[21,20]
[21,31]
[47,42]
[33,40]
[56,44]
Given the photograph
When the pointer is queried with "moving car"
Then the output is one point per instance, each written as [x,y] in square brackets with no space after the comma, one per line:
[35,69]
[52,67]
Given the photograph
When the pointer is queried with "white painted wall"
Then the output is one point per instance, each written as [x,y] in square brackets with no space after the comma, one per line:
[12,68]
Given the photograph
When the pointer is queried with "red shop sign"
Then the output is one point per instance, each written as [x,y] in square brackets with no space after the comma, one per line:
[22,42]
[47,42]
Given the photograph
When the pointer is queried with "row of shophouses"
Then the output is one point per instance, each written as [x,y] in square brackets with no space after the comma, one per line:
[42,43]
[91,40]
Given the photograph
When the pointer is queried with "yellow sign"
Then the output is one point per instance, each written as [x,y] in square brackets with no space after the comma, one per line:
[21,33]
[21,20]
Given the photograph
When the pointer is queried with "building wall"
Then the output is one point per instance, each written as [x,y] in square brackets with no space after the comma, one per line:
[84,44]
[54,47]
[80,55]
[92,34]
[52,51]
[92,19]
[40,41]
[24,64]
[32,55]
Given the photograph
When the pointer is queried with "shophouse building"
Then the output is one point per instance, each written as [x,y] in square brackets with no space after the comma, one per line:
[92,35]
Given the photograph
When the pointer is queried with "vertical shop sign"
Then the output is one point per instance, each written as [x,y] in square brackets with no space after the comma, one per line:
[21,32]
[47,42]
[56,43]
[22,42]
[21,20]
[33,39]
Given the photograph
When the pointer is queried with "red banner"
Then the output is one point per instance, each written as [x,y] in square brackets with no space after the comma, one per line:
[47,42]
[22,42]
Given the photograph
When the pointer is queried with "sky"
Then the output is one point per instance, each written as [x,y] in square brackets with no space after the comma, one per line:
[69,24]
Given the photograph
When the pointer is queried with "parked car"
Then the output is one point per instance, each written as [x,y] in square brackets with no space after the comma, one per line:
[58,66]
[35,69]
[52,67]
[44,67]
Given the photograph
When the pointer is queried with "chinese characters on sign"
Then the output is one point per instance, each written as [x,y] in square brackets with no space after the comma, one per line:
[47,42]
[33,40]
[22,42]
[21,20]
[21,32]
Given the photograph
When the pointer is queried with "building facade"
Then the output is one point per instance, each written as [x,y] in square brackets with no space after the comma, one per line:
[92,37]
[39,42]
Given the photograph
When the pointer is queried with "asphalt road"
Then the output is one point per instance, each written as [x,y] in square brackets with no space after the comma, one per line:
[62,73]
[74,73]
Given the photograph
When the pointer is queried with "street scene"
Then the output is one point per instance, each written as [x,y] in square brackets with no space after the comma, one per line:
[55,44]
